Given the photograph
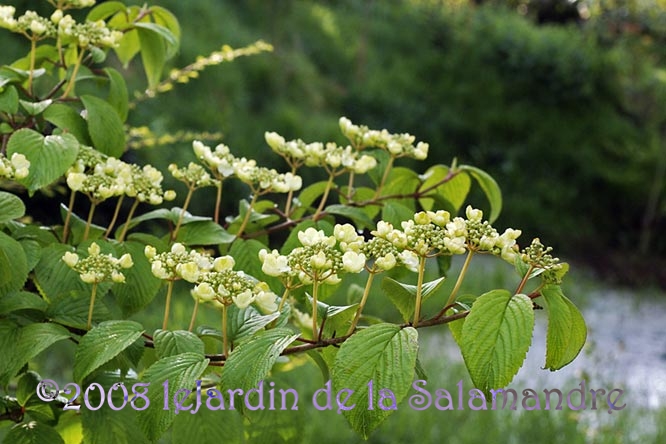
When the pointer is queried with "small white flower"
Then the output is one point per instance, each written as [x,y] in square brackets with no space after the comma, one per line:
[224,263]
[386,262]
[266,301]
[204,292]
[244,299]
[189,271]
[125,261]
[353,262]
[71,259]
[473,214]
[409,259]
[93,249]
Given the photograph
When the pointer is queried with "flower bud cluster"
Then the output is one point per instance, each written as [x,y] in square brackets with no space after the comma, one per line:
[260,179]
[321,258]
[215,279]
[98,267]
[397,145]
[316,154]
[85,34]
[193,175]
[225,286]
[102,177]
[178,263]
[16,167]
[538,256]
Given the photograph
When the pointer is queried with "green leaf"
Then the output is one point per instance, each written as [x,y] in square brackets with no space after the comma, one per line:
[164,17]
[129,45]
[244,322]
[102,11]
[9,100]
[395,213]
[182,372]
[107,426]
[169,40]
[53,277]
[172,215]
[69,121]
[104,125]
[33,432]
[71,309]
[489,187]
[208,427]
[362,194]
[11,207]
[401,181]
[153,54]
[403,296]
[26,343]
[21,300]
[102,343]
[49,156]
[495,338]
[204,233]
[170,343]
[251,361]
[357,215]
[27,386]
[35,108]
[118,95]
[384,354]
[463,303]
[567,331]
[13,265]
[454,191]
[141,286]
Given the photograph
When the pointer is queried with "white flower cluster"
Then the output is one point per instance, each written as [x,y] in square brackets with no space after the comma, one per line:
[260,179]
[397,145]
[16,167]
[316,154]
[102,177]
[321,257]
[98,267]
[30,23]
[215,279]
[85,34]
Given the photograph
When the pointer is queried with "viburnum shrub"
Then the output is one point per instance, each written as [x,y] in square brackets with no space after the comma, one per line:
[265,271]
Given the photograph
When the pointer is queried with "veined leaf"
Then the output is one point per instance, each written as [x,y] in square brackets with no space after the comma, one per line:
[454,191]
[71,309]
[25,343]
[495,338]
[49,156]
[33,432]
[69,121]
[107,426]
[567,331]
[251,361]
[140,286]
[102,343]
[403,296]
[13,265]
[203,233]
[118,95]
[208,427]
[384,354]
[153,54]
[9,99]
[181,371]
[357,215]
[245,322]
[170,343]
[21,300]
[104,125]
